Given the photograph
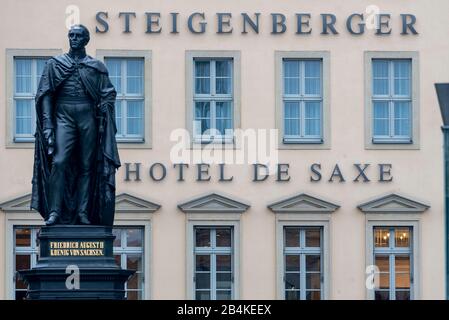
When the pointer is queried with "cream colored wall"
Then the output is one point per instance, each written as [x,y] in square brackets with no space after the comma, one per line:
[418,173]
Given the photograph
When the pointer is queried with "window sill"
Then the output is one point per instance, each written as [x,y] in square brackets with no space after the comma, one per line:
[302,141]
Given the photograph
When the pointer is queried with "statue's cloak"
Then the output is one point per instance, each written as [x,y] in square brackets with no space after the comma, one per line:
[94,76]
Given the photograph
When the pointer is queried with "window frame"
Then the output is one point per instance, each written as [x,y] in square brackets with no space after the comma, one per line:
[301,98]
[190,57]
[304,220]
[395,220]
[214,220]
[412,142]
[303,143]
[213,251]
[10,125]
[302,252]
[146,55]
[213,98]
[124,251]
[392,252]
[125,97]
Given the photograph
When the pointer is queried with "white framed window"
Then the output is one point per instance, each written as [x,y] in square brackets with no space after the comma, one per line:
[303,263]
[127,76]
[129,254]
[213,100]
[392,100]
[302,100]
[26,253]
[392,97]
[213,260]
[27,74]
[393,256]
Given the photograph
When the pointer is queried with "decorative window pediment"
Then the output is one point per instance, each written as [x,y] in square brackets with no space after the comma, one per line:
[393,203]
[303,203]
[213,203]
[124,203]
[20,204]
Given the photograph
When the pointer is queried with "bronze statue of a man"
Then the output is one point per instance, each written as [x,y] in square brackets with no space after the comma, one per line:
[76,154]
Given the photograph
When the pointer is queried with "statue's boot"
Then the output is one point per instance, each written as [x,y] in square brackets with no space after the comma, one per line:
[83,218]
[52,219]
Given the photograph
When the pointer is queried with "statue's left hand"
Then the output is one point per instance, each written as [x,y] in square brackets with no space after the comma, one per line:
[103,107]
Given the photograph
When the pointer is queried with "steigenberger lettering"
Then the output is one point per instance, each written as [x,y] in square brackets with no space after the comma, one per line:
[380,24]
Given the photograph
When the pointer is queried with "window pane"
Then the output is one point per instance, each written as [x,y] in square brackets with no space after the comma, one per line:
[382,295]
[202,262]
[223,77]
[292,123]
[402,72]
[40,64]
[23,75]
[313,237]
[313,295]
[292,262]
[384,280]
[202,280]
[380,77]
[312,77]
[402,264]
[23,237]
[381,237]
[291,77]
[202,295]
[134,117]
[118,260]
[292,295]
[23,262]
[118,116]
[381,118]
[202,236]
[135,282]
[134,295]
[202,77]
[292,237]
[202,117]
[224,280]
[402,295]
[383,263]
[224,262]
[23,116]
[313,280]
[223,238]
[134,237]
[224,295]
[114,66]
[312,118]
[134,262]
[223,116]
[134,77]
[292,281]
[402,237]
[313,263]
[117,232]
[402,118]
[402,280]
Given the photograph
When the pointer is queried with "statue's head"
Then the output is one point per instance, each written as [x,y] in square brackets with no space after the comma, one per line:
[78,36]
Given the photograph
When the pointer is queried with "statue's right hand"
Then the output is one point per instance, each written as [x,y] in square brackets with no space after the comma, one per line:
[49,136]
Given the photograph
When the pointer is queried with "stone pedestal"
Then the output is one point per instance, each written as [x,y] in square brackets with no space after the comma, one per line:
[72,252]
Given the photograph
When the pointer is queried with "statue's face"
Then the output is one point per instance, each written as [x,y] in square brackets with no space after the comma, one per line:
[77,38]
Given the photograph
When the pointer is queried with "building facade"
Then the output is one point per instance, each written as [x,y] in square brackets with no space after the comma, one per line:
[351,184]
